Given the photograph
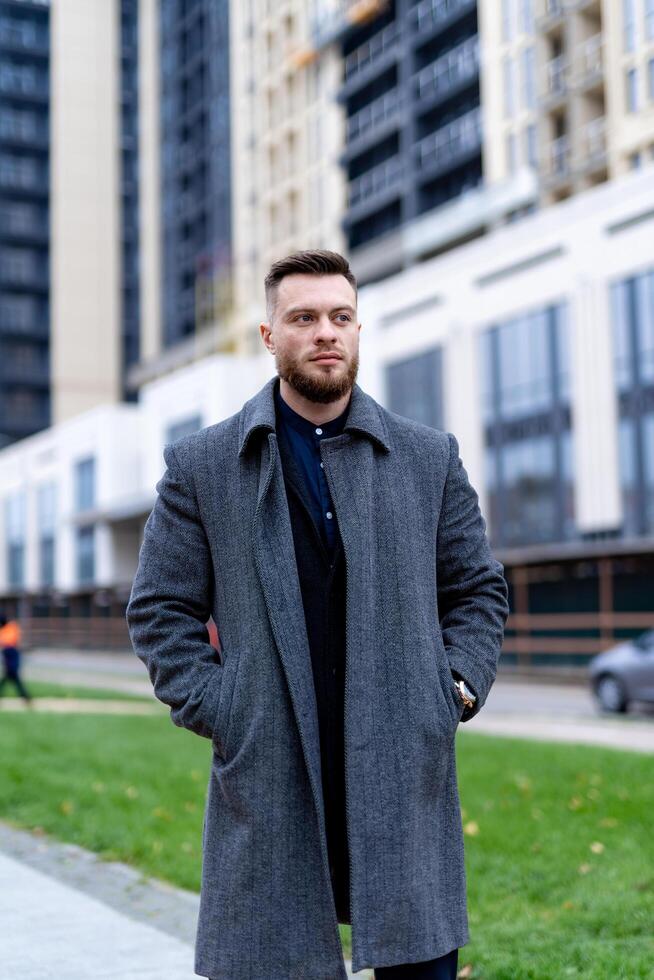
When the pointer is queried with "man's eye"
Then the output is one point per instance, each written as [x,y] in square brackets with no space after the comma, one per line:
[344,316]
[304,316]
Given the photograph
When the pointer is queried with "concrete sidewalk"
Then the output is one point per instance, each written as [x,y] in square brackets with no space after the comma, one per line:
[67,915]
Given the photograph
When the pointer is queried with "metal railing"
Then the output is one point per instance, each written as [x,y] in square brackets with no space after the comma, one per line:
[559,156]
[459,64]
[594,137]
[373,114]
[430,13]
[459,136]
[556,72]
[373,49]
[590,57]
[376,180]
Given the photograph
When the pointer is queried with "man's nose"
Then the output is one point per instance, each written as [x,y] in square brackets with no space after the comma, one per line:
[325,329]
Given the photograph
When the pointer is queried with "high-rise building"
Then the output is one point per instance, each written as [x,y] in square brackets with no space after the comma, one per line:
[25,385]
[69,290]
[287,127]
[185,176]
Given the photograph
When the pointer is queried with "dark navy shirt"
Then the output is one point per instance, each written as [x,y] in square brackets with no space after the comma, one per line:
[304,439]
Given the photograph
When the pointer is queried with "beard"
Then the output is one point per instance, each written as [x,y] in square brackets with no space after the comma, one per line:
[322,388]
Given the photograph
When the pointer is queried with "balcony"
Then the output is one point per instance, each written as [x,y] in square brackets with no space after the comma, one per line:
[550,14]
[589,62]
[435,15]
[23,81]
[376,181]
[373,53]
[556,79]
[558,162]
[593,139]
[444,149]
[374,115]
[451,71]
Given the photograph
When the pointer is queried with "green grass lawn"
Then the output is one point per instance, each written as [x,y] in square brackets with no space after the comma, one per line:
[44,689]
[559,843]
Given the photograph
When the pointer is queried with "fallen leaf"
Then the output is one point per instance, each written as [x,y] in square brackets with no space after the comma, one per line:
[471,828]
[597,847]
[575,802]
[608,822]
[131,792]
[465,972]
[583,869]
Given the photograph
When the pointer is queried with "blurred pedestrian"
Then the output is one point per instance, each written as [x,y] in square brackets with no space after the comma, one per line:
[10,640]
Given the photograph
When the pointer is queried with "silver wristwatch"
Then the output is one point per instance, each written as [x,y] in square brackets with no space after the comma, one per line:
[465,693]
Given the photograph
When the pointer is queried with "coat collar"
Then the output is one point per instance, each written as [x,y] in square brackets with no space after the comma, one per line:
[364,416]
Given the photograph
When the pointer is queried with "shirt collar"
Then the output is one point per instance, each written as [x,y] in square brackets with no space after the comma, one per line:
[365,416]
[304,426]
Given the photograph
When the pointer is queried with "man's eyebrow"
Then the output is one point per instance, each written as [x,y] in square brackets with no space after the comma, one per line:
[311,309]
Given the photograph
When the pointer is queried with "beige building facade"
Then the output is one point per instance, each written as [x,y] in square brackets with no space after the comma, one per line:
[287,134]
[567,90]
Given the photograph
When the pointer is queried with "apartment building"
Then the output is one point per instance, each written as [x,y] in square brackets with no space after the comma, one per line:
[567,91]
[69,307]
[288,186]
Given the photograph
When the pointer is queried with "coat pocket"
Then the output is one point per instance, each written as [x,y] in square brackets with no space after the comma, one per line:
[220,736]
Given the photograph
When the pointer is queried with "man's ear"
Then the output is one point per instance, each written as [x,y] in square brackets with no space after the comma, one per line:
[266,335]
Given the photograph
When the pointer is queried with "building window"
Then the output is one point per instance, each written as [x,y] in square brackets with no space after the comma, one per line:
[47,522]
[525,386]
[527,16]
[649,20]
[650,78]
[635,161]
[629,24]
[507,19]
[85,554]
[509,87]
[184,427]
[414,387]
[511,153]
[15,537]
[85,483]
[632,312]
[531,145]
[632,90]
[529,77]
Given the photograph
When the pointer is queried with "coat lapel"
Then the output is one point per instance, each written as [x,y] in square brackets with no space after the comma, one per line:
[350,474]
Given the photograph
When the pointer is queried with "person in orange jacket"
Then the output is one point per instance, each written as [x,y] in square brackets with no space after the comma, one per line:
[10,638]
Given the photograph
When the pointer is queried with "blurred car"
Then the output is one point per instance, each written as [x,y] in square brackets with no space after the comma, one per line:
[624,673]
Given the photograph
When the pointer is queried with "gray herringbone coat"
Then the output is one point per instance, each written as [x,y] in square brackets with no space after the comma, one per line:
[424,596]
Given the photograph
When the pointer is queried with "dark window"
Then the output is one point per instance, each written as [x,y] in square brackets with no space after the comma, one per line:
[414,388]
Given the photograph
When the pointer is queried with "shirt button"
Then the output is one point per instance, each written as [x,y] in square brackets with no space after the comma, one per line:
[328,515]
[322,466]
[318,432]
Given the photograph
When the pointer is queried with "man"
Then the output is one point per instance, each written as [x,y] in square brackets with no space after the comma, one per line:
[341,552]
[10,640]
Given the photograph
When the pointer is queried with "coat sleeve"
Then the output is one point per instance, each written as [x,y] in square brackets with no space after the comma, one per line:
[472,591]
[170,602]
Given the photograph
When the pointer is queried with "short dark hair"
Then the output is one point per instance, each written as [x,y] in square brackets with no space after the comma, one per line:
[313,262]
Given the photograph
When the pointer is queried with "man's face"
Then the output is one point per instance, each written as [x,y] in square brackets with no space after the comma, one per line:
[314,335]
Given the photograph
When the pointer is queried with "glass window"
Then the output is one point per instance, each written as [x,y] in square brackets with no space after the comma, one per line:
[85,554]
[527,16]
[507,68]
[621,340]
[649,20]
[629,24]
[529,77]
[414,388]
[644,312]
[632,89]
[531,147]
[507,20]
[15,537]
[650,78]
[511,153]
[85,483]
